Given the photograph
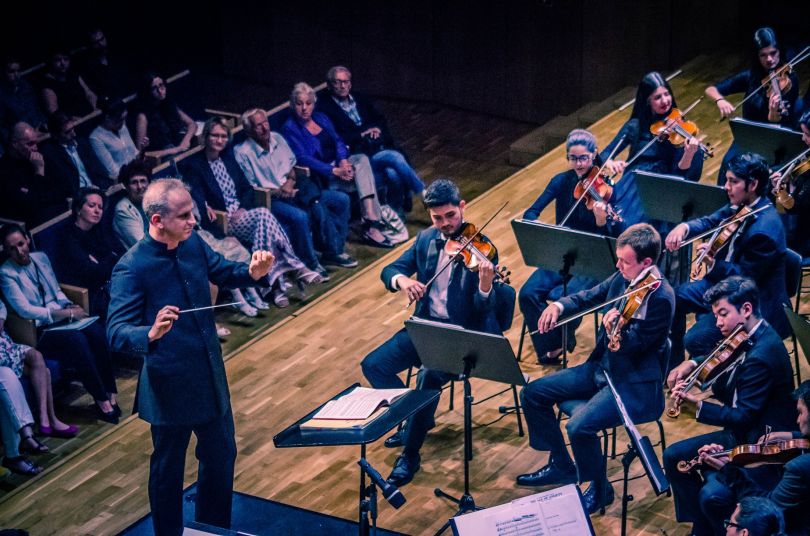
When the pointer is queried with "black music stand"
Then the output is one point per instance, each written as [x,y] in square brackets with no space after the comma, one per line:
[566,251]
[801,330]
[455,350]
[400,410]
[673,199]
[641,447]
[776,144]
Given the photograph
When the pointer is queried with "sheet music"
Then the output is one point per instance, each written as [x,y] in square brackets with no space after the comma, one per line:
[359,404]
[556,512]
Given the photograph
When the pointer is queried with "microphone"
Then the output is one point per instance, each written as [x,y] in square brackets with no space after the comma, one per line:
[390,492]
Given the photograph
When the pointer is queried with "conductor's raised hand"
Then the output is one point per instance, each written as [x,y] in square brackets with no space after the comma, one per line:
[260,263]
[548,320]
[164,320]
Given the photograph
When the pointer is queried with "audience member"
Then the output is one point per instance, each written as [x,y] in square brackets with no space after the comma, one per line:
[70,160]
[27,192]
[111,140]
[103,72]
[18,100]
[365,130]
[86,254]
[219,184]
[161,127]
[129,220]
[318,146]
[303,208]
[63,89]
[31,290]
[24,360]
[15,426]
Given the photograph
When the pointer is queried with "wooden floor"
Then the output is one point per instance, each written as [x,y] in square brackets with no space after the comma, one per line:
[306,358]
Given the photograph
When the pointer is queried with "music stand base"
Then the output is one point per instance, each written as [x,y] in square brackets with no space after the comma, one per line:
[465,503]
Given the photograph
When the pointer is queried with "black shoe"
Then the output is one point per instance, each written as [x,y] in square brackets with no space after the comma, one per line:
[594,501]
[22,466]
[549,361]
[116,410]
[549,475]
[344,260]
[395,440]
[406,466]
[109,416]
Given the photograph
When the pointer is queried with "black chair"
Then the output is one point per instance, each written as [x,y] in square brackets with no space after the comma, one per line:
[793,280]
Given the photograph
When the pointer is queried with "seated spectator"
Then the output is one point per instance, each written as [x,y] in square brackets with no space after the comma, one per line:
[63,89]
[27,192]
[129,221]
[366,131]
[218,184]
[86,255]
[18,101]
[111,140]
[31,291]
[161,127]
[103,72]
[24,360]
[316,145]
[15,426]
[305,210]
[70,160]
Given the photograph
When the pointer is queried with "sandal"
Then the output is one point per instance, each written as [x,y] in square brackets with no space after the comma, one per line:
[31,445]
[22,466]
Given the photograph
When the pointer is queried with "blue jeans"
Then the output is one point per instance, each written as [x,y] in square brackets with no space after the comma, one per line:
[398,177]
[330,221]
[295,222]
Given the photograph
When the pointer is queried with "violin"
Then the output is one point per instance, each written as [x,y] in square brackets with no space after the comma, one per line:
[778,82]
[469,248]
[596,187]
[719,239]
[629,305]
[727,353]
[678,130]
[782,197]
[767,452]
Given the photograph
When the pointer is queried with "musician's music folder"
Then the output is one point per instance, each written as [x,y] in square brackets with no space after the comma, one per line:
[557,512]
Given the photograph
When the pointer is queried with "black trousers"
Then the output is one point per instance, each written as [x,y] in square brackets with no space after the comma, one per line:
[216,452]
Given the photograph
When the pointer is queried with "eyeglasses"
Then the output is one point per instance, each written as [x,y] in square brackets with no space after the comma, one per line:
[582,159]
[341,82]
[159,86]
[729,523]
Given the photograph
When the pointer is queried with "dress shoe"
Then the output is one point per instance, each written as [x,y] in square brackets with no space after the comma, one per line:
[549,475]
[106,416]
[406,466]
[67,433]
[594,501]
[395,440]
[21,465]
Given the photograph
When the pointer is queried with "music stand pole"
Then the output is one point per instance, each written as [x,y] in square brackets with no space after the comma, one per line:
[565,273]
[368,501]
[627,460]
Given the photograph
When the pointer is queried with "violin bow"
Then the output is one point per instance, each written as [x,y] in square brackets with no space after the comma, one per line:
[462,248]
[800,57]
[627,293]
[593,180]
[722,226]
[791,162]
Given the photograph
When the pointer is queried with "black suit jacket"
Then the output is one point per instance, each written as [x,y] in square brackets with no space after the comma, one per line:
[26,196]
[763,383]
[61,169]
[348,129]
[465,305]
[204,187]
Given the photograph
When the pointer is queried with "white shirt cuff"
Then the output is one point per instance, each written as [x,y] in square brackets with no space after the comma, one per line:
[559,306]
[394,280]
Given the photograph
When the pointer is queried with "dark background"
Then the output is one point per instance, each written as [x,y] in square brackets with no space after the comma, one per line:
[526,60]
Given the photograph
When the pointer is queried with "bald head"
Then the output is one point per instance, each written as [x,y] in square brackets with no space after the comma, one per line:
[23,140]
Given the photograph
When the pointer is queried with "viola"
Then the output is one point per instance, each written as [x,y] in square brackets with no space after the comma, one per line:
[728,352]
[720,238]
[629,305]
[678,130]
[785,201]
[768,452]
[595,187]
[470,248]
[778,82]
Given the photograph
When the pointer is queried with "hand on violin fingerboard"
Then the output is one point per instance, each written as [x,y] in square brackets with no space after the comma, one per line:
[412,288]
[706,453]
[610,318]
[486,275]
[708,260]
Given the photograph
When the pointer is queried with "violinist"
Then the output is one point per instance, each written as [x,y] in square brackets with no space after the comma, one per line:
[751,395]
[474,300]
[581,153]
[635,367]
[763,106]
[791,490]
[797,186]
[756,249]
[654,102]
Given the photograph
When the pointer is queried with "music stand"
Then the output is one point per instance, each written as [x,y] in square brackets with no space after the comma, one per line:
[455,350]
[566,251]
[801,329]
[641,447]
[774,143]
[673,199]
[398,411]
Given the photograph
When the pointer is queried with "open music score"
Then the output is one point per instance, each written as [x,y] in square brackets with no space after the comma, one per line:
[556,512]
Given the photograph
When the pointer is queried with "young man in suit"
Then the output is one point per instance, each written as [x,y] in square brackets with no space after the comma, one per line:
[756,250]
[182,387]
[635,368]
[473,300]
[752,395]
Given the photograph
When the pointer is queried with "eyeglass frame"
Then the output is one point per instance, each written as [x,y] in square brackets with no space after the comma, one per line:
[583,158]
[729,523]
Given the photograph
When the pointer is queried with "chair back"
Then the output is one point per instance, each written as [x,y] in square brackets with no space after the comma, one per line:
[793,272]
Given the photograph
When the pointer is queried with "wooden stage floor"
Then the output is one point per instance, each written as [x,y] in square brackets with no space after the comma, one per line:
[306,358]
